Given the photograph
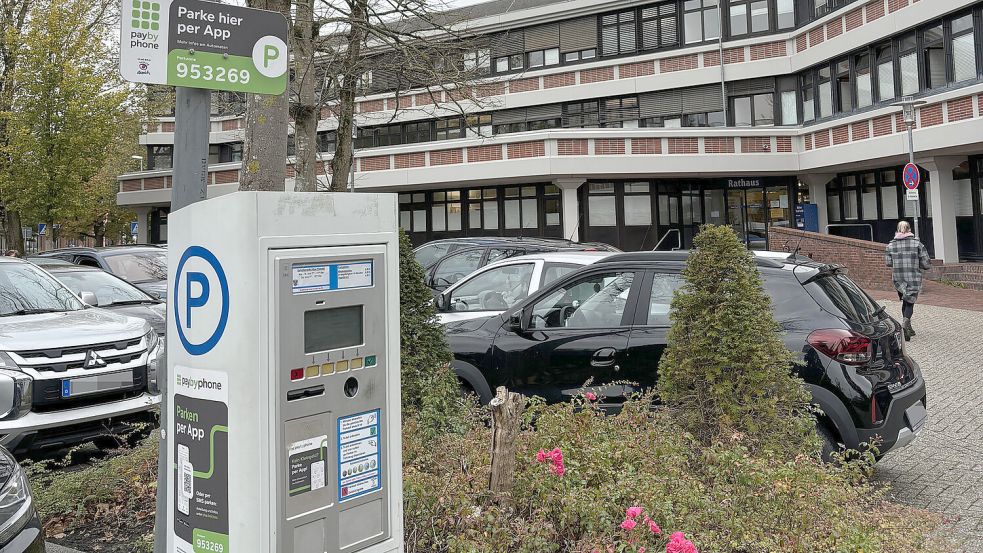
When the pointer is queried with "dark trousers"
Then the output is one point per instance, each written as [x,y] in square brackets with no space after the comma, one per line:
[907,307]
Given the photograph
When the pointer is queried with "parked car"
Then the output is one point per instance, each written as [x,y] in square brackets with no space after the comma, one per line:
[608,322]
[69,372]
[112,293]
[448,261]
[142,265]
[500,285]
[20,527]
[45,262]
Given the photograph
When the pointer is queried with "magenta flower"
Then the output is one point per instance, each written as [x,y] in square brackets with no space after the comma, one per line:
[556,455]
[628,524]
[633,512]
[654,527]
[541,456]
[558,469]
[591,396]
[679,544]
[641,549]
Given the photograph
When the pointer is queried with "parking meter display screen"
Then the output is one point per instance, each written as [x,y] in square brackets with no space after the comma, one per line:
[335,328]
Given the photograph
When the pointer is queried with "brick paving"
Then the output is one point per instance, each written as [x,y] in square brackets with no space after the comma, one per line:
[942,470]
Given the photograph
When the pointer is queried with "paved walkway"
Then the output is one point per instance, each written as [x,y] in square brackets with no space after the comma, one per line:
[942,470]
[941,295]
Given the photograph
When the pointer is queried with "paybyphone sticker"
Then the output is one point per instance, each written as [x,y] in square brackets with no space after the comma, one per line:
[359,454]
[329,277]
[307,459]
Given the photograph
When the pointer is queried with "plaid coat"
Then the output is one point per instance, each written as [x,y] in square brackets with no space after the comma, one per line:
[908,258]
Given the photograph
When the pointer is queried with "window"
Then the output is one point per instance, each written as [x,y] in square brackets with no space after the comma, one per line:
[489,205]
[664,285]
[551,206]
[786,14]
[865,91]
[417,132]
[389,135]
[580,114]
[701,21]
[479,60]
[885,73]
[596,301]
[821,7]
[934,46]
[502,65]
[326,141]
[543,124]
[446,211]
[637,204]
[555,271]
[521,207]
[963,49]
[474,209]
[748,16]
[618,33]
[448,129]
[588,54]
[160,157]
[659,26]
[617,110]
[808,97]
[708,119]
[540,58]
[757,110]
[825,92]
[505,64]
[493,290]
[889,195]
[456,267]
[908,65]
[844,87]
[413,212]
[601,211]
[850,200]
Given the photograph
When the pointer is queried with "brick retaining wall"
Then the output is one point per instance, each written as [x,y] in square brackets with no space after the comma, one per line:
[864,260]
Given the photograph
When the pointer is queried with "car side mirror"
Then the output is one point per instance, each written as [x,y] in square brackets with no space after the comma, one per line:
[515,323]
[441,302]
[89,298]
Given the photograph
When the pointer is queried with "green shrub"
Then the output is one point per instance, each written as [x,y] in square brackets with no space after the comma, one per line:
[726,371]
[722,497]
[429,386]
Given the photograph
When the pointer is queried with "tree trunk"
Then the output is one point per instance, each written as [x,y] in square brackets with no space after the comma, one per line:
[12,230]
[305,111]
[506,413]
[265,149]
[341,165]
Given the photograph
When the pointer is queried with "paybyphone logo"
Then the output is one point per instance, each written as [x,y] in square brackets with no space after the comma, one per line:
[201,300]
[182,381]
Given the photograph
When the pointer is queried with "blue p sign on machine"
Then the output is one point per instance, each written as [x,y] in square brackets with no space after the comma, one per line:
[201,300]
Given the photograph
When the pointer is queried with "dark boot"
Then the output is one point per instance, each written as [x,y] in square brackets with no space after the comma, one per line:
[908,331]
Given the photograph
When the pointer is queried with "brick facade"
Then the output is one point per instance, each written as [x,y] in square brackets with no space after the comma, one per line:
[875,10]
[863,260]
[817,36]
[960,109]
[408,161]
[527,149]
[731,55]
[596,75]
[226,177]
[370,106]
[841,134]
[784,144]
[931,115]
[524,85]
[854,19]
[861,130]
[446,157]
[571,147]
[718,145]
[646,146]
[374,163]
[834,29]
[895,5]
[755,144]
[684,145]
[632,70]
[560,79]
[484,153]
[609,146]
[883,126]
[769,50]
[680,63]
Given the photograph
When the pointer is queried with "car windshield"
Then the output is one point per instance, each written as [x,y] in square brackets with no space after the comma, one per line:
[108,289]
[26,289]
[428,254]
[138,267]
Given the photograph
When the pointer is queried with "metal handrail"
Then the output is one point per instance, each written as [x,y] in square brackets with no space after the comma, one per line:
[844,225]
[679,240]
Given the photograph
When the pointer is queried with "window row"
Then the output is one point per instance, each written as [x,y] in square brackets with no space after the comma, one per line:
[162,157]
[481,209]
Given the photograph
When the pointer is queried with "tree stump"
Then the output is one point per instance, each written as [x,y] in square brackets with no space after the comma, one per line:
[506,414]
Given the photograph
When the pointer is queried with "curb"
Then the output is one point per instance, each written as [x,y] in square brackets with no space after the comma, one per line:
[53,548]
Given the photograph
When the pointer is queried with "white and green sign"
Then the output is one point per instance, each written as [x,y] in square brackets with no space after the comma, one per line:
[203,45]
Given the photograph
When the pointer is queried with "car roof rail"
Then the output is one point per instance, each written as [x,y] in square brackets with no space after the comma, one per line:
[677,256]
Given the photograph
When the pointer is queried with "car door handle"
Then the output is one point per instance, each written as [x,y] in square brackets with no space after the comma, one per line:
[603,357]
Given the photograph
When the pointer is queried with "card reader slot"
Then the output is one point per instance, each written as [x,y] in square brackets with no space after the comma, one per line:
[313,391]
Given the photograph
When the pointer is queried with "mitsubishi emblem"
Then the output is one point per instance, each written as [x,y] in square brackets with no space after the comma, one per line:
[93,361]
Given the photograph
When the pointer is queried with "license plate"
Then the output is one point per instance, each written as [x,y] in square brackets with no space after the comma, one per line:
[916,416]
[74,387]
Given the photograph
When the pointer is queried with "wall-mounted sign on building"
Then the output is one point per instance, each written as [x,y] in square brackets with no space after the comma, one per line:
[203,45]
[744,182]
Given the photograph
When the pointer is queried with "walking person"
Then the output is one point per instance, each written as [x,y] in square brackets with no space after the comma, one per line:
[907,258]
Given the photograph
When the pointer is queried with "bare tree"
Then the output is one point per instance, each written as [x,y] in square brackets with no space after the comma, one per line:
[265,149]
[385,45]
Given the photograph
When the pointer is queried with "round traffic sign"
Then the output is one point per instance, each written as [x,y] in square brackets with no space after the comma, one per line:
[911,176]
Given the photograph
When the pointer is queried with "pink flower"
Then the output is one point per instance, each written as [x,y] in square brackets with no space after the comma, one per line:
[633,512]
[679,544]
[653,527]
[556,455]
[558,469]
[591,396]
[628,524]
[541,456]
[641,549]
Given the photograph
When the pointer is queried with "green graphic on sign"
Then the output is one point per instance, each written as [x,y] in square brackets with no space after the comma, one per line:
[146,15]
[209,70]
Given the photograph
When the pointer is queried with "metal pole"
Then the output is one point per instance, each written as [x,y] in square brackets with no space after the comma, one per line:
[720,52]
[911,159]
[190,181]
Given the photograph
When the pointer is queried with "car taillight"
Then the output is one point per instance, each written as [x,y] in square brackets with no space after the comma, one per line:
[843,345]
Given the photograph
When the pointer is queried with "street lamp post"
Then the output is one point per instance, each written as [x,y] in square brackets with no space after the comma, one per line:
[141,161]
[908,105]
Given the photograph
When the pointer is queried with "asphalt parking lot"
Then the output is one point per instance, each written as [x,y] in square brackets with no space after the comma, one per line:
[942,470]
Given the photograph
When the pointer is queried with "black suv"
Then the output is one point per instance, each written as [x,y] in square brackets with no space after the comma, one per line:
[608,322]
[449,260]
[141,265]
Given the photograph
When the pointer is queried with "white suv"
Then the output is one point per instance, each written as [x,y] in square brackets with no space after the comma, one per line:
[68,371]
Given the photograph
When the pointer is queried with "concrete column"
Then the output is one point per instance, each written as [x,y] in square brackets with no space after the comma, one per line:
[817,194]
[143,224]
[570,206]
[943,192]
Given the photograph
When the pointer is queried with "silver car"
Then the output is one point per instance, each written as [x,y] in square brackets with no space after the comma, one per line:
[494,288]
[69,372]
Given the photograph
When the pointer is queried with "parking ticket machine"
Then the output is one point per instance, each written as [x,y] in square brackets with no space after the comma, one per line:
[283,385]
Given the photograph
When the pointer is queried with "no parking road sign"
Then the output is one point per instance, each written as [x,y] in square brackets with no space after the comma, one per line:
[912,177]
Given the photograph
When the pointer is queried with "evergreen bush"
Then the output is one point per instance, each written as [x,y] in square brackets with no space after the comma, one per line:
[430,389]
[726,372]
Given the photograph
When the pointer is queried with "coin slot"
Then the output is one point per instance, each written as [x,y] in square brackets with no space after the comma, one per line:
[351,387]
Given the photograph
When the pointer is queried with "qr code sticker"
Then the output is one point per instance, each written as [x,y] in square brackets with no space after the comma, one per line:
[317,475]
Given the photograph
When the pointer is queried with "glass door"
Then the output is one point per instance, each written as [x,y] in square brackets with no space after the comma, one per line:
[670,218]
[747,213]
[735,213]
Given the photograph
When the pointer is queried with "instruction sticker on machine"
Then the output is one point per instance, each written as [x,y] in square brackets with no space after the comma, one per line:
[201,461]
[306,460]
[359,455]
[328,277]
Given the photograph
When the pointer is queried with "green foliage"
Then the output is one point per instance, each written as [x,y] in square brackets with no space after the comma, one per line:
[429,386]
[722,497]
[726,371]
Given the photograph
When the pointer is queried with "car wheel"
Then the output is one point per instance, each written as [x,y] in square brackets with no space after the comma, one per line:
[831,446]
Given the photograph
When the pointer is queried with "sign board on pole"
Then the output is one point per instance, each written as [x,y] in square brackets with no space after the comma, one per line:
[911,176]
[201,44]
[42,229]
[133,228]
[911,194]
